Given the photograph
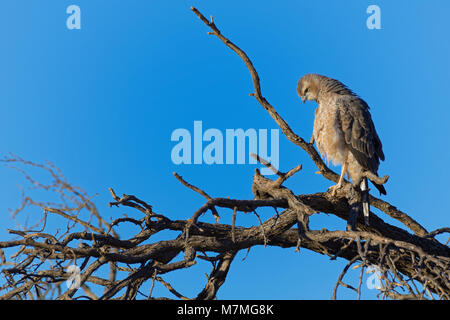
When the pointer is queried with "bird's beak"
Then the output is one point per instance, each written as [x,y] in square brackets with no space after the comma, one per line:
[303,98]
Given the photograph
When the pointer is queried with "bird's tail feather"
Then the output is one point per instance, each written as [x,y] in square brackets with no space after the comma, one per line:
[365,199]
[380,187]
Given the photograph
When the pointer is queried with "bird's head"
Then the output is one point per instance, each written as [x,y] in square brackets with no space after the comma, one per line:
[308,87]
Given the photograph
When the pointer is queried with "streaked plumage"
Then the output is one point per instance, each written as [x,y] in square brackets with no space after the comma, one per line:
[343,128]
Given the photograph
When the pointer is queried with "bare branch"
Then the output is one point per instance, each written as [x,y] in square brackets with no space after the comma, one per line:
[35,261]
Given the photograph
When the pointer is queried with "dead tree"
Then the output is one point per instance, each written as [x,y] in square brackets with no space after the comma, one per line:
[411,262]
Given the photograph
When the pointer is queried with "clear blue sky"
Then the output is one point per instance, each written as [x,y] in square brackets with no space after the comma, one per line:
[101,103]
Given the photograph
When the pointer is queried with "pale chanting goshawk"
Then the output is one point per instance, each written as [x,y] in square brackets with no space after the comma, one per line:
[344,132]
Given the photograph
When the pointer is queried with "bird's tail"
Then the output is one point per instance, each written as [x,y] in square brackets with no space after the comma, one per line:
[380,187]
[365,199]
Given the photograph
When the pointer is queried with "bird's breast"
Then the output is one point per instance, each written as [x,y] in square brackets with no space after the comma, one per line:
[328,134]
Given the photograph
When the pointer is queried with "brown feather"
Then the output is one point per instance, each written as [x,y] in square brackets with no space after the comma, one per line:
[343,126]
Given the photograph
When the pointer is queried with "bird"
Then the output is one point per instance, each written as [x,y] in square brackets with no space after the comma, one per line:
[344,133]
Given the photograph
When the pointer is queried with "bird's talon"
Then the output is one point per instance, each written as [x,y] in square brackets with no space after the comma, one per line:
[334,189]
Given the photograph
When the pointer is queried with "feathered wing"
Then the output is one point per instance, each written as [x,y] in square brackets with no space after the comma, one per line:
[360,134]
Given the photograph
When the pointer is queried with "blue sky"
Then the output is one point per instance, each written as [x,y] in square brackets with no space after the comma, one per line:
[101,104]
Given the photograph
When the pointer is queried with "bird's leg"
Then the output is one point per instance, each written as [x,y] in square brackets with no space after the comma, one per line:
[341,179]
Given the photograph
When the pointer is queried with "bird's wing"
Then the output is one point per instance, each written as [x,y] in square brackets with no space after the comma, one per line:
[359,131]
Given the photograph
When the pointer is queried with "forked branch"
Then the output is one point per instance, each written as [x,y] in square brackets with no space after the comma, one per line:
[36,263]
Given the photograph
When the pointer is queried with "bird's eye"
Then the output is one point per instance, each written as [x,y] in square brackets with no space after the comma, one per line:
[306,91]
